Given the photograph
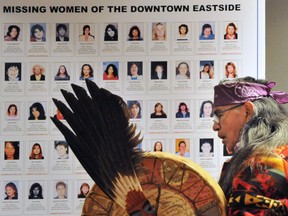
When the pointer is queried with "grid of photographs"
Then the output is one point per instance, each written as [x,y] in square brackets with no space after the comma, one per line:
[164,71]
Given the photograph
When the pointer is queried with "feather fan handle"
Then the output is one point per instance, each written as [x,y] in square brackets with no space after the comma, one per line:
[103,140]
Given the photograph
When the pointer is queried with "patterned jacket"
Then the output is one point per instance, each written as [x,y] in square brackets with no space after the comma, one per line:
[261,188]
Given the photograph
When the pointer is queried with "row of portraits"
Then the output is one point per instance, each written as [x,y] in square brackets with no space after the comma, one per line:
[182,147]
[135,71]
[37,150]
[111,32]
[12,150]
[36,190]
[135,107]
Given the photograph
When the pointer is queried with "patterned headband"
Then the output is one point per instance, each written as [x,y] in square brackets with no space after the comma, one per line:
[240,92]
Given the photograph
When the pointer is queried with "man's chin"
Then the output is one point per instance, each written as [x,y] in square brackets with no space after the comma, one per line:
[229,151]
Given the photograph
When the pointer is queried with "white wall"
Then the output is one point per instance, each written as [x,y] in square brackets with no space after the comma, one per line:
[276,43]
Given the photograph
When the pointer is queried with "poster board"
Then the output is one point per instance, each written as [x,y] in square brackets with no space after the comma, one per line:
[97,53]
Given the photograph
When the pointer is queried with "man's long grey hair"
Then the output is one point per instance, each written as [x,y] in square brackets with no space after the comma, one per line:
[265,131]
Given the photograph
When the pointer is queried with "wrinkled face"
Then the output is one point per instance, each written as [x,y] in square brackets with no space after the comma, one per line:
[10,191]
[207,108]
[158,146]
[134,70]
[230,30]
[12,72]
[228,130]
[13,33]
[160,31]
[85,189]
[37,70]
[207,32]
[110,32]
[183,69]
[61,32]
[183,30]
[61,150]
[61,190]
[36,191]
[206,147]
[36,150]
[230,69]
[38,34]
[9,150]
[134,110]
[35,112]
[86,71]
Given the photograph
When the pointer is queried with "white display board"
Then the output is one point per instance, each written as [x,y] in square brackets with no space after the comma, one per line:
[166,51]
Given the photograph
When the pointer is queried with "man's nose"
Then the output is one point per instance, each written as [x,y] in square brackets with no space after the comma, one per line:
[216,126]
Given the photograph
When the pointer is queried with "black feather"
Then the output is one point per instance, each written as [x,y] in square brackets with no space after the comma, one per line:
[102,139]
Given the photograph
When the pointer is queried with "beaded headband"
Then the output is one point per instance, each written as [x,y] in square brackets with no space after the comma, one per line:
[240,92]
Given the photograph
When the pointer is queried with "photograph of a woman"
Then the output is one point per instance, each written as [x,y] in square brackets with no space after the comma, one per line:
[183,111]
[111,72]
[207,32]
[86,35]
[62,33]
[158,111]
[36,112]
[182,71]
[13,33]
[182,32]
[182,149]
[158,146]
[38,33]
[12,112]
[159,31]
[230,70]
[38,72]
[84,190]
[11,191]
[134,34]
[61,190]
[206,148]
[13,71]
[86,72]
[207,71]
[36,152]
[134,70]
[35,191]
[159,70]
[111,33]
[134,109]
[206,109]
[11,150]
[231,32]
[62,74]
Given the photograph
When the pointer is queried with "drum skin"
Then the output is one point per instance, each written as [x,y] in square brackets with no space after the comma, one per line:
[181,186]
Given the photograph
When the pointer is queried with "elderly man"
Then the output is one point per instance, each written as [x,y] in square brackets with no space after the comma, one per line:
[253,125]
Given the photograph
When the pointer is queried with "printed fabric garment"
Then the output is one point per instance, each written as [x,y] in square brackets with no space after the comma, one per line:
[262,187]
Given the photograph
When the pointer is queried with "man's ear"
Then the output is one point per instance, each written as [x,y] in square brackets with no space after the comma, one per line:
[249,107]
